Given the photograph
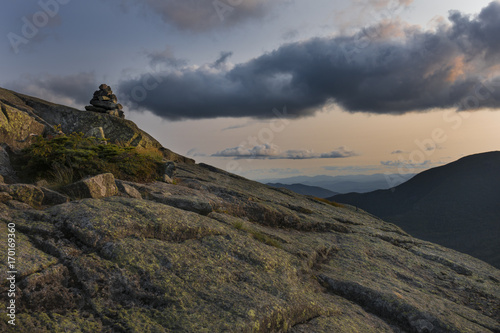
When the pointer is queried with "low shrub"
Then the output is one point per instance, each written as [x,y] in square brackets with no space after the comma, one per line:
[331,203]
[238,225]
[67,158]
[257,235]
[263,238]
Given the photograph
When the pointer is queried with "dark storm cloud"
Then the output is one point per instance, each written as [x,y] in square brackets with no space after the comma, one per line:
[165,57]
[203,15]
[222,58]
[386,69]
[74,89]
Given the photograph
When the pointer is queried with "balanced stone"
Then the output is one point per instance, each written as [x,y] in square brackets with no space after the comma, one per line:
[104,101]
[95,109]
[108,105]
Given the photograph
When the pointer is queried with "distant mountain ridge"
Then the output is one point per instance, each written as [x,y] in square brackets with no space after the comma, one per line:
[306,189]
[456,205]
[347,183]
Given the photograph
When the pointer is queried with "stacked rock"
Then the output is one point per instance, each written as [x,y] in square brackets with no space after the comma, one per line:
[104,101]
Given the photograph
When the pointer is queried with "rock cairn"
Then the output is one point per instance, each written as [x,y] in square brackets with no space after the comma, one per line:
[104,101]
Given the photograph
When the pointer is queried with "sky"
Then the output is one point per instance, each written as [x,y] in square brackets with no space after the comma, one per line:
[274,88]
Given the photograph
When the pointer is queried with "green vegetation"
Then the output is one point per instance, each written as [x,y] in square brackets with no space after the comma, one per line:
[238,225]
[263,238]
[257,235]
[331,203]
[67,158]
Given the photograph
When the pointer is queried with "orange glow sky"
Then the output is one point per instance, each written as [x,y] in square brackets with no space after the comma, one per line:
[68,56]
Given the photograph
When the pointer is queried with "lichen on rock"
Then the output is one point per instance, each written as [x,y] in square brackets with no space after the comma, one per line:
[100,186]
[26,193]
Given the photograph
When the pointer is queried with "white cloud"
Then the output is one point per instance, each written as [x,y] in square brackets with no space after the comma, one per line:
[271,151]
[406,164]
[260,151]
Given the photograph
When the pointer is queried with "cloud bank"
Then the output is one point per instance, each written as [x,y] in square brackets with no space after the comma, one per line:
[203,15]
[270,151]
[388,68]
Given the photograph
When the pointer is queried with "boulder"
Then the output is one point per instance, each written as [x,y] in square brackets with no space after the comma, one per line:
[4,197]
[100,186]
[28,194]
[51,197]
[127,189]
[2,180]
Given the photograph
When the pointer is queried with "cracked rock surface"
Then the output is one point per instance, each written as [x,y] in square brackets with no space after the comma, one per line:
[218,253]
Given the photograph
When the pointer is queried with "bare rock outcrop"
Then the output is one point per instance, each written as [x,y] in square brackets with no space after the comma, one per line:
[97,187]
[263,260]
[23,117]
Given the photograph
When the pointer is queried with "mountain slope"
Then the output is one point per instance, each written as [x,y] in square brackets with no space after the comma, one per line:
[456,205]
[345,184]
[23,116]
[214,252]
[315,191]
